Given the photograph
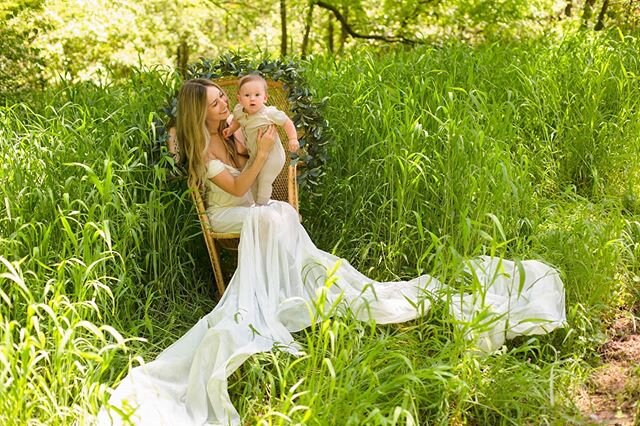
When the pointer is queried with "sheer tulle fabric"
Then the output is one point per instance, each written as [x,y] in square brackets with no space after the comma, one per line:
[280,272]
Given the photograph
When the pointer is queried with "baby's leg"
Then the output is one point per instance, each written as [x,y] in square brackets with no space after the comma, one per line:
[254,188]
[268,174]
[264,185]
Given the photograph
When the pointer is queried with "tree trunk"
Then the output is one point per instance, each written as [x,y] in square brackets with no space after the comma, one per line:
[330,34]
[343,30]
[182,57]
[307,29]
[567,8]
[283,28]
[603,12]
[587,12]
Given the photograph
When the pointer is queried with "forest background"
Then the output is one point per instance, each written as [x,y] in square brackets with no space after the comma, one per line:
[43,40]
[453,129]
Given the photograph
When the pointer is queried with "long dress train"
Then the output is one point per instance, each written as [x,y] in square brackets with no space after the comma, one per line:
[280,273]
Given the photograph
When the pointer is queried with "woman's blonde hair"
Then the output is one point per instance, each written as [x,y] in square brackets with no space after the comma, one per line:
[191,128]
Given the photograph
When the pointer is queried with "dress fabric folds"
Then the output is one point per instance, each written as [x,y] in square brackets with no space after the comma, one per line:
[279,276]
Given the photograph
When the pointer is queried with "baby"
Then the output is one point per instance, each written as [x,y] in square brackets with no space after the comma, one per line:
[251,114]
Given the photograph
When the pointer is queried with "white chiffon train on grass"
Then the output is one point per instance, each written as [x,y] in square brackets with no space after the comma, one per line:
[279,276]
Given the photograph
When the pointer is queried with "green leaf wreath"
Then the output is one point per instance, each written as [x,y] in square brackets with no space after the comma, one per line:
[305,109]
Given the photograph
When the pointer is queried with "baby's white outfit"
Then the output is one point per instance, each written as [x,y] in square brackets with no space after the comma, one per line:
[250,124]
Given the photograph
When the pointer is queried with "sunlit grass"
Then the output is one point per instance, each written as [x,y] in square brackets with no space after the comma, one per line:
[527,150]
[523,150]
[83,236]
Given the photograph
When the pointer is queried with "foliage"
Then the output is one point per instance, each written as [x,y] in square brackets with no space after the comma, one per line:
[306,110]
[552,119]
[93,40]
[86,226]
[447,152]
[623,15]
[21,63]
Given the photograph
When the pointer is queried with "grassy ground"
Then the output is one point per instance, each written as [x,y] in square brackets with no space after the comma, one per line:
[523,150]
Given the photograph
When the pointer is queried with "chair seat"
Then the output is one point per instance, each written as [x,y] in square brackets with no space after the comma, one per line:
[227,241]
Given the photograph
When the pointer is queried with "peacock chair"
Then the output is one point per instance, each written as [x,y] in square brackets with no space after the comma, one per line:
[285,187]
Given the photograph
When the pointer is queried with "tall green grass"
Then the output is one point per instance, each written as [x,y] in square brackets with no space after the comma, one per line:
[88,225]
[451,137]
[529,148]
[525,149]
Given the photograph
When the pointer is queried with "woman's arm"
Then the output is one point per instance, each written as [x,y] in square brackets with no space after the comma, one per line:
[172,144]
[239,185]
[241,149]
[243,154]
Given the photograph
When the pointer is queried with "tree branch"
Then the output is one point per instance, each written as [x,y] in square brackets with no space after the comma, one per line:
[354,34]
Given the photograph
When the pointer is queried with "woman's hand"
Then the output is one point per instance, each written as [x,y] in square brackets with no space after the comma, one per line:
[239,185]
[266,139]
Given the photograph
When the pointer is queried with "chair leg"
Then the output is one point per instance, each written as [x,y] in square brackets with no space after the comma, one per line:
[217,268]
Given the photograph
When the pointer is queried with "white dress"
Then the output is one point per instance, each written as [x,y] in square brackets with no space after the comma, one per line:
[280,273]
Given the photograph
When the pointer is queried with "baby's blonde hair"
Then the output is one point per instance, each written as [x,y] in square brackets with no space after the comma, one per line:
[252,77]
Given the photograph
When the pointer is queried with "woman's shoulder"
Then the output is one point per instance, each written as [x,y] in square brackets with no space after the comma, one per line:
[214,166]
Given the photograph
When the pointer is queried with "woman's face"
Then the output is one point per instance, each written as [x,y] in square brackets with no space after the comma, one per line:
[217,105]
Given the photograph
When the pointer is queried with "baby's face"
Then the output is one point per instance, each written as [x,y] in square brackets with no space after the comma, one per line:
[252,96]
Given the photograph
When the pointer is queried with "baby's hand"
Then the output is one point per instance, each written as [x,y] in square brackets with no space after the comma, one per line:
[226,132]
[294,145]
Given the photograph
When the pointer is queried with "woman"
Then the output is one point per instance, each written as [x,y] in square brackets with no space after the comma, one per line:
[203,114]
[280,275]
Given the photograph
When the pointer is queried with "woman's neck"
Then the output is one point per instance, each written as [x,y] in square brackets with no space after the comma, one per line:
[213,128]
[216,148]
[215,140]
